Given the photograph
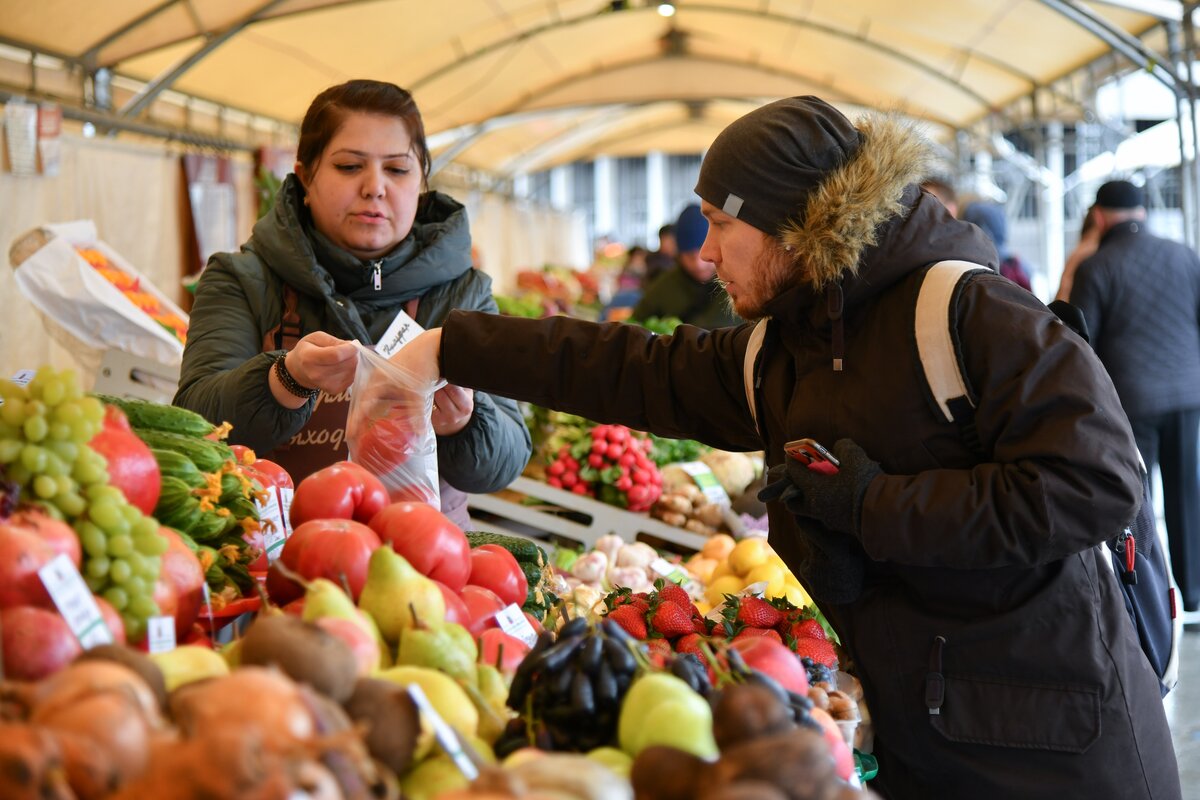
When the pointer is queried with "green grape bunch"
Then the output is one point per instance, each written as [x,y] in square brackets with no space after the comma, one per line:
[45,428]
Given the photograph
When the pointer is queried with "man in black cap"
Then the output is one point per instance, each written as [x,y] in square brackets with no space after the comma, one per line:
[963,577]
[1140,295]
[687,291]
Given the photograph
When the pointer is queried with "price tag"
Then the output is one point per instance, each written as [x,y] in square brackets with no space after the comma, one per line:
[23,377]
[402,331]
[512,621]
[273,531]
[160,634]
[703,477]
[445,735]
[667,570]
[75,602]
[286,493]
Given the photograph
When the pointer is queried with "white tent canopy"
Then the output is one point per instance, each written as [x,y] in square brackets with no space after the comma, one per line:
[493,77]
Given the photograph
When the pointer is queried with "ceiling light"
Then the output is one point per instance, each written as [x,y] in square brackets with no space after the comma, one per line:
[666,9]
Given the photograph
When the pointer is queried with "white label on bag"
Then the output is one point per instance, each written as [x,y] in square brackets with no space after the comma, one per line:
[512,621]
[160,634]
[74,602]
[402,331]
[703,477]
[273,532]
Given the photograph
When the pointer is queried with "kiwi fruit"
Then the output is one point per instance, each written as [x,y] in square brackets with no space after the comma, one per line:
[305,652]
[391,719]
[667,773]
[745,711]
[746,790]
[797,762]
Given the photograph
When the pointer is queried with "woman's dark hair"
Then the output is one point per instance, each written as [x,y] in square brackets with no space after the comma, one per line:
[329,109]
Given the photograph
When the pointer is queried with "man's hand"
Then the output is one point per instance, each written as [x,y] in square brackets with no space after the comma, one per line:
[835,500]
[422,356]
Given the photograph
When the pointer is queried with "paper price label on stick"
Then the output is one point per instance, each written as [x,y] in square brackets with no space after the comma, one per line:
[703,477]
[273,531]
[512,621]
[160,634]
[74,602]
[286,493]
[446,736]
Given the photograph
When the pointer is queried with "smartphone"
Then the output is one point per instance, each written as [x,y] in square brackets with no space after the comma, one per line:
[812,453]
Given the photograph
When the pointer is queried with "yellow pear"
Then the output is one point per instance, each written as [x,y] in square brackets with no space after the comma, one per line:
[395,592]
[445,695]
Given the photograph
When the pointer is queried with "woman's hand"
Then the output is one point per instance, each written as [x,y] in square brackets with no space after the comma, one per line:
[318,361]
[452,409]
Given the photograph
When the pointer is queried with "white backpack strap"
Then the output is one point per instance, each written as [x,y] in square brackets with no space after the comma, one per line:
[934,330]
[753,348]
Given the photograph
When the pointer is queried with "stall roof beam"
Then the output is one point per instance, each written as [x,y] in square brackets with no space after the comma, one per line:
[1127,45]
[140,101]
[91,55]
[1166,10]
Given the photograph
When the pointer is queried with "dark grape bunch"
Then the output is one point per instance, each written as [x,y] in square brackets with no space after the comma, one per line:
[569,688]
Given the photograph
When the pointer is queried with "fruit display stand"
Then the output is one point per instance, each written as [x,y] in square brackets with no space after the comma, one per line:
[547,521]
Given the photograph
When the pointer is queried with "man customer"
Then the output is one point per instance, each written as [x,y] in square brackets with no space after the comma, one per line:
[687,291]
[967,588]
[1140,295]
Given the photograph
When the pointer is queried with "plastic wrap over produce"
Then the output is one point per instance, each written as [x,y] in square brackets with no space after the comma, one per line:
[388,431]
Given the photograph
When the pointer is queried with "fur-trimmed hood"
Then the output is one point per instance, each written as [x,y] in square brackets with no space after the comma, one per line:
[868,224]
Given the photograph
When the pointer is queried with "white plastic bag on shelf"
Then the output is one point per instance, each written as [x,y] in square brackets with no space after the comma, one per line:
[388,430]
[83,311]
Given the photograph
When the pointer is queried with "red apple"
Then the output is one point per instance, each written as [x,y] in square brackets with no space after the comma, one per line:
[843,757]
[774,659]
[36,641]
[361,643]
[501,650]
[482,605]
[456,609]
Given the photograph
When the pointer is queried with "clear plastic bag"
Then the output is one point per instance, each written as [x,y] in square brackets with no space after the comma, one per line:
[388,429]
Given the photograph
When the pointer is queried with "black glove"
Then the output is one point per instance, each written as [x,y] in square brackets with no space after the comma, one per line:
[834,500]
[827,508]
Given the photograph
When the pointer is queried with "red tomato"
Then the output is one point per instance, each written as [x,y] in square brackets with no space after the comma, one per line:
[482,605]
[323,548]
[495,568]
[501,650]
[179,590]
[271,474]
[131,465]
[434,545]
[340,491]
[387,443]
[456,609]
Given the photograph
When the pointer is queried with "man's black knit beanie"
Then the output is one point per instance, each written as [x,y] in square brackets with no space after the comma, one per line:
[763,167]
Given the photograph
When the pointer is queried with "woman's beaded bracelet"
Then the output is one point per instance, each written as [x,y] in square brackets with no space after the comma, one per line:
[289,383]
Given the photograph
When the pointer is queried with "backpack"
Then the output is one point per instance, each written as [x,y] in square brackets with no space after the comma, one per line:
[1135,554]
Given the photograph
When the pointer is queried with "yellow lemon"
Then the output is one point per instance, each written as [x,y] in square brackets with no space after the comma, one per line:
[748,554]
[718,547]
[771,574]
[796,595]
[702,568]
[703,606]
[728,584]
[721,570]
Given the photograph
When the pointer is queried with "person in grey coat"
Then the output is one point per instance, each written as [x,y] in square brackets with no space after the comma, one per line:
[352,241]
[1140,295]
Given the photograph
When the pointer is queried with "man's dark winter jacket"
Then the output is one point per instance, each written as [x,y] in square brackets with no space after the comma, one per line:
[1047,692]
[1140,296]
[240,298]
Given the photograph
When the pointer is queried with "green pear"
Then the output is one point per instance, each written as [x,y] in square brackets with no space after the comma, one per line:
[432,778]
[434,645]
[396,595]
[661,709]
[619,762]
[491,699]
[324,598]
[448,698]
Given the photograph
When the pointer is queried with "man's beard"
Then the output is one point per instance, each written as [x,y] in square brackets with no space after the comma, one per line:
[774,272]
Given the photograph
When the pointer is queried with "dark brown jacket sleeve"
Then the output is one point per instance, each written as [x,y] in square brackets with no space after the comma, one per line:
[686,386]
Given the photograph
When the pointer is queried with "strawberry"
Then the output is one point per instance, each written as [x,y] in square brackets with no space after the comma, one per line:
[700,623]
[671,620]
[674,593]
[758,613]
[807,629]
[818,650]
[659,652]
[690,643]
[631,619]
[749,633]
